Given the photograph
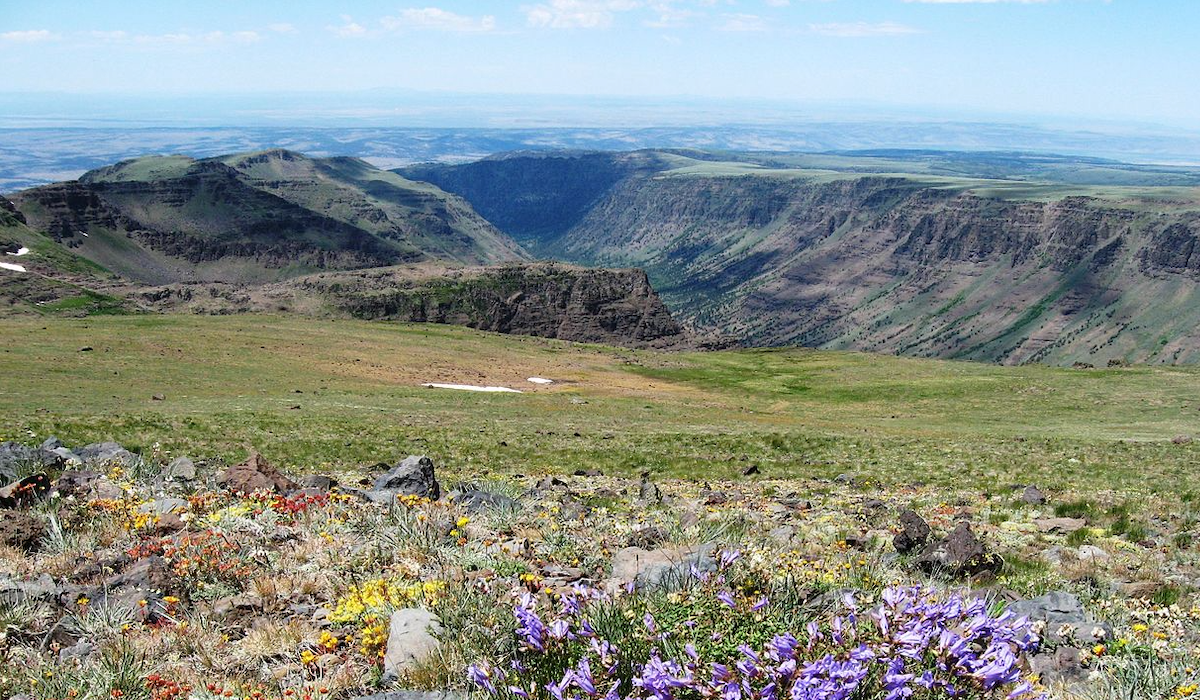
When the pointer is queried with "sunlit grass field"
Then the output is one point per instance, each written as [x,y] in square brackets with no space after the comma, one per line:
[333,395]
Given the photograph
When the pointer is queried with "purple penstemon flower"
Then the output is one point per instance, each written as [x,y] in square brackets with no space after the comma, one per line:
[727,598]
[480,675]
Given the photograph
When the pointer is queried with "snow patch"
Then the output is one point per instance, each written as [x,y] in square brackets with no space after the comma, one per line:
[472,387]
[540,380]
[11,266]
[21,251]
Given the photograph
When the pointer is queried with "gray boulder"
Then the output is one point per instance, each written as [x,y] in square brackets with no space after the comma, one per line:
[1062,611]
[101,453]
[666,568]
[412,638]
[413,476]
[180,469]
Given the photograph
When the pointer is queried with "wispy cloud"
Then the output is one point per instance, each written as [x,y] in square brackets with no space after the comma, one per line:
[779,3]
[863,29]
[28,36]
[433,18]
[577,14]
[668,13]
[348,28]
[743,23]
[283,28]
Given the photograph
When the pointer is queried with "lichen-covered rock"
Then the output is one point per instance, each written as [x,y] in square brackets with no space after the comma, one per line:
[413,476]
[959,554]
[412,637]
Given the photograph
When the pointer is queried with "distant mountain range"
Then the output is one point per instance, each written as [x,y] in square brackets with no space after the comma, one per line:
[1000,257]
[255,218]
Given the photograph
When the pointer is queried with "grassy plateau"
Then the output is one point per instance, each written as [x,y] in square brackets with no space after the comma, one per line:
[342,394]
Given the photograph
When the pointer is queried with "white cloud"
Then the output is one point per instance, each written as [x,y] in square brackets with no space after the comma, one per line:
[668,14]
[348,28]
[438,19]
[743,23]
[861,29]
[283,28]
[779,3]
[28,36]
[576,14]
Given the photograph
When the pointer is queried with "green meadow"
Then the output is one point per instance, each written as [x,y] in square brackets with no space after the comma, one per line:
[340,395]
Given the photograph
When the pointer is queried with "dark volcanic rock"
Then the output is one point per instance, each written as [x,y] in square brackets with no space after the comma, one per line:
[914,533]
[413,476]
[959,554]
[255,474]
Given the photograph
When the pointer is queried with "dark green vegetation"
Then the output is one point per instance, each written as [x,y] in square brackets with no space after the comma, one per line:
[256,217]
[342,394]
[999,257]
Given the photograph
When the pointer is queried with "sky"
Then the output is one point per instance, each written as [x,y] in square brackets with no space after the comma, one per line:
[1100,59]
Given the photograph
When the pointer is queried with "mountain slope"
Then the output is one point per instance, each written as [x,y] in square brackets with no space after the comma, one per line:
[256,217]
[39,276]
[999,270]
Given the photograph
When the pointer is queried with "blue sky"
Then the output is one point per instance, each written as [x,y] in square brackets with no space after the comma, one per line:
[1108,59]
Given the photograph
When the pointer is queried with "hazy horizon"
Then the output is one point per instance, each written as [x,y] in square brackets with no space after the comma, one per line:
[1095,61]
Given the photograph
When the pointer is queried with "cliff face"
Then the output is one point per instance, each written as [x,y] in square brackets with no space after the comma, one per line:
[256,218]
[614,307]
[897,264]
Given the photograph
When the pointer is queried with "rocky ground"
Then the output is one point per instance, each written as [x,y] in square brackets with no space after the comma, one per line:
[160,577]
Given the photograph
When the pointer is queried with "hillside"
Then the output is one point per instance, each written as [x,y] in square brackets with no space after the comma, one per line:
[255,218]
[1080,261]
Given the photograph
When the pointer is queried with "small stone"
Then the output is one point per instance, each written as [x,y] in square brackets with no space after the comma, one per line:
[1033,496]
[1059,525]
[1092,553]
